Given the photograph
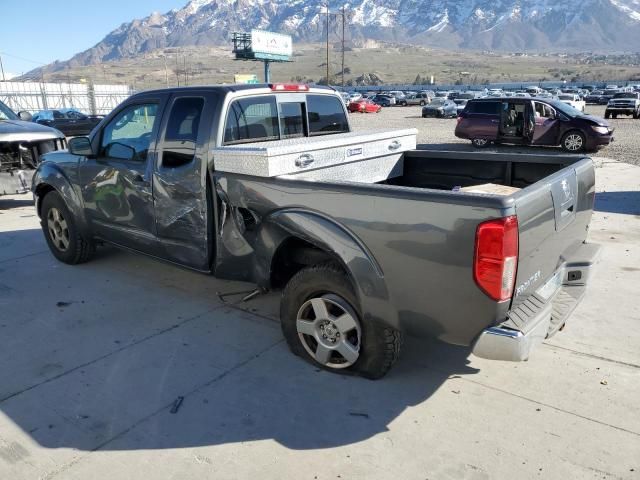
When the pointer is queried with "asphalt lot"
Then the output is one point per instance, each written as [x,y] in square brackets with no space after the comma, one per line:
[93,357]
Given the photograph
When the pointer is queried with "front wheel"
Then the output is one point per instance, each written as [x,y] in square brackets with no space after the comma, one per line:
[607,115]
[480,142]
[321,322]
[573,142]
[636,115]
[61,232]
[422,103]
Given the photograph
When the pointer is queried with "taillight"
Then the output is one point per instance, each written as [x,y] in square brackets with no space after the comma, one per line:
[496,257]
[289,87]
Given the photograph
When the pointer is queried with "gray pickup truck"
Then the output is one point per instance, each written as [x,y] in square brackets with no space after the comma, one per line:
[368,238]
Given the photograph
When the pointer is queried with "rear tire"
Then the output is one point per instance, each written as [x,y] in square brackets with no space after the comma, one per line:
[573,142]
[61,232]
[422,103]
[371,349]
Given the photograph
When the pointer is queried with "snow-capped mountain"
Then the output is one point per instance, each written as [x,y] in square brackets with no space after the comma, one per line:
[579,25]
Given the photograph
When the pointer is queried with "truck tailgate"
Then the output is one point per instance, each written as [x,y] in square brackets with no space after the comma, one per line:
[553,219]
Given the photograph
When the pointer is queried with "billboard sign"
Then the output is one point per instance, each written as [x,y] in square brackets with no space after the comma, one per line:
[270,45]
[245,78]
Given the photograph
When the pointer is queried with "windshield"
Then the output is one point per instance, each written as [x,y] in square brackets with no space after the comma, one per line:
[565,97]
[6,113]
[626,95]
[438,101]
[565,108]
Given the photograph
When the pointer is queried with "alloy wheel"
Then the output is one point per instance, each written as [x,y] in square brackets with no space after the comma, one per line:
[58,229]
[573,142]
[329,331]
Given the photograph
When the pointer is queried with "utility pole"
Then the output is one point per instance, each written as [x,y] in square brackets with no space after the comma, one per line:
[343,20]
[2,69]
[327,43]
[178,66]
[166,72]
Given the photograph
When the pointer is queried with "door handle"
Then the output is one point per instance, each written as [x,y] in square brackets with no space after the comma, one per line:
[495,121]
[304,160]
[395,145]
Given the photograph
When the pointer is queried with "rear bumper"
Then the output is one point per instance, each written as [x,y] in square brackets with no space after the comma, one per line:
[539,317]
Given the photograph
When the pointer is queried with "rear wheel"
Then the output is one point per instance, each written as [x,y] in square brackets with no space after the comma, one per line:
[480,142]
[573,141]
[422,103]
[321,322]
[61,232]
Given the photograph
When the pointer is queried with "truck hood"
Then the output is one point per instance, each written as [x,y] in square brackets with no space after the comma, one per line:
[19,131]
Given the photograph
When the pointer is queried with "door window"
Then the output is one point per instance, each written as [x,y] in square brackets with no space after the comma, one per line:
[181,134]
[133,128]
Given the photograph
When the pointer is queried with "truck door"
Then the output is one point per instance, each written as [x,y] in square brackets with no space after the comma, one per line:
[116,185]
[180,180]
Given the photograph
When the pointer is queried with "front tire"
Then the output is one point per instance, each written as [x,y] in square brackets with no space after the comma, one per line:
[60,230]
[321,323]
[574,142]
[607,115]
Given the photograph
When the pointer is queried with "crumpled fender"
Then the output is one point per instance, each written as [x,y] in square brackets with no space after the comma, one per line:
[48,175]
[329,235]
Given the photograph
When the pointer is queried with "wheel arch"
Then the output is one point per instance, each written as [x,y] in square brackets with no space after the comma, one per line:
[49,178]
[305,238]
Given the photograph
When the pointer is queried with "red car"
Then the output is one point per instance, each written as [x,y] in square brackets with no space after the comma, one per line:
[364,106]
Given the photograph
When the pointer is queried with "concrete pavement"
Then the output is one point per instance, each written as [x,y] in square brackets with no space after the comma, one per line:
[92,358]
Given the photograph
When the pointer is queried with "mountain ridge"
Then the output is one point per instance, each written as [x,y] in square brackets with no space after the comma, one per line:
[499,25]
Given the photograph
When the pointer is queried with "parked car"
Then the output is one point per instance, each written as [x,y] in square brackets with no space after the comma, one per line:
[421,99]
[22,144]
[594,97]
[69,121]
[355,96]
[384,100]
[608,94]
[436,256]
[401,98]
[572,99]
[525,121]
[440,108]
[461,103]
[442,94]
[346,98]
[624,103]
[364,106]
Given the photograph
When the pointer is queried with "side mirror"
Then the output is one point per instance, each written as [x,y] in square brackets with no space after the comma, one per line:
[120,151]
[80,146]
[25,116]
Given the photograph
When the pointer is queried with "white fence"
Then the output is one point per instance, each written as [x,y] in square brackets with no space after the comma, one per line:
[88,98]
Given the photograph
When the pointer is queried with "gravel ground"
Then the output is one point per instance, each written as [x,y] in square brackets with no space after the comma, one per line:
[438,133]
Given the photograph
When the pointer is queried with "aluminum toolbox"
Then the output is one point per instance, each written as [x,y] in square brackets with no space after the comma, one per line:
[309,157]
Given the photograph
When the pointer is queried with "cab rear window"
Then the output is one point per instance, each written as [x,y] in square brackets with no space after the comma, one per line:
[261,119]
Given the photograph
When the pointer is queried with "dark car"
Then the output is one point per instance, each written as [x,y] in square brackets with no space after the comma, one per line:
[441,108]
[526,121]
[594,97]
[69,121]
[383,100]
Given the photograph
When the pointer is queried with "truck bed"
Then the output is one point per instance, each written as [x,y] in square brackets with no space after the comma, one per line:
[419,228]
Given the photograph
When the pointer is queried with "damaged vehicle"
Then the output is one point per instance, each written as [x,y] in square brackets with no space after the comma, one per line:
[367,238]
[22,143]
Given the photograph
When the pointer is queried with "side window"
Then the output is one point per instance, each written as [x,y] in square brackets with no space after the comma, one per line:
[486,108]
[326,115]
[181,134]
[291,124]
[252,120]
[128,135]
[74,115]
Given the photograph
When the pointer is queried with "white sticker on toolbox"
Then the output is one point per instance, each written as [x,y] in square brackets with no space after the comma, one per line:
[354,152]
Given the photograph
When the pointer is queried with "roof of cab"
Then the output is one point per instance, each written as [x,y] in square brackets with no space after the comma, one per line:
[223,88]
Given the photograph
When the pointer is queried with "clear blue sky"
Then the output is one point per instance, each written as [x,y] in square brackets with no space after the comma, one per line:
[41,31]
